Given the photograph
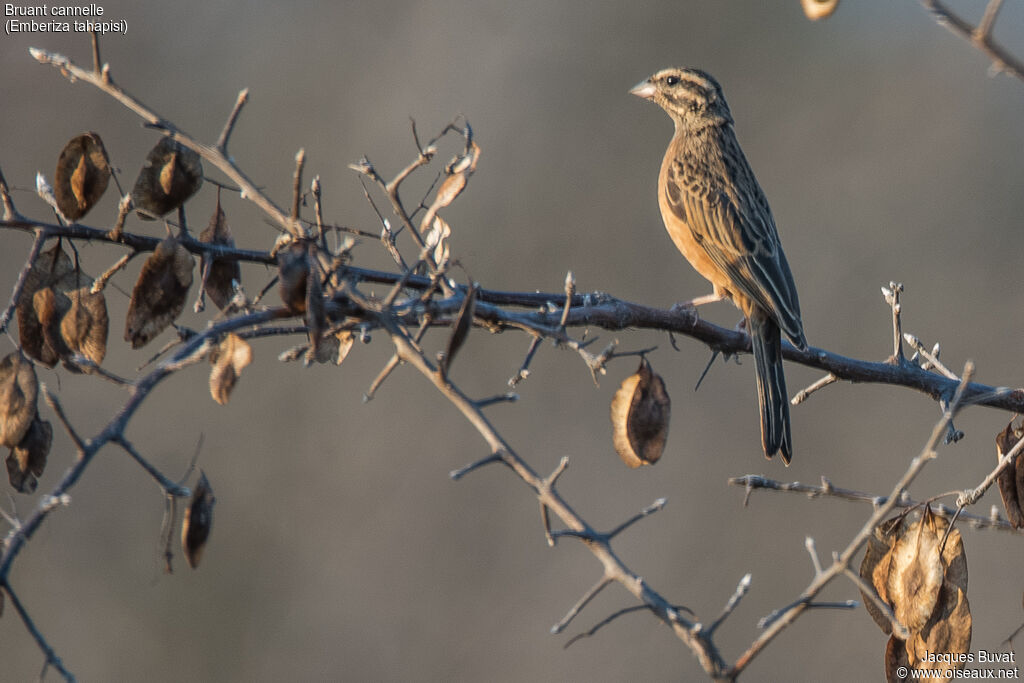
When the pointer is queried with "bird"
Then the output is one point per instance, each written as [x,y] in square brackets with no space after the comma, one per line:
[717,215]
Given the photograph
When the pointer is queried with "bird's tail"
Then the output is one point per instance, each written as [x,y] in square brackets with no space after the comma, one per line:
[772,398]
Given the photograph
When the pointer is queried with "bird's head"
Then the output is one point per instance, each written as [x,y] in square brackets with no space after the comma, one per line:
[691,97]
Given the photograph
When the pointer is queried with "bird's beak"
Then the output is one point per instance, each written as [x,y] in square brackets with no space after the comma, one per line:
[644,89]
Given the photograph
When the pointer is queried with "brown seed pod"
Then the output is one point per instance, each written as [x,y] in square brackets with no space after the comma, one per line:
[82,175]
[27,460]
[948,631]
[159,294]
[316,316]
[195,528]
[170,175]
[874,569]
[1011,479]
[219,272]
[460,330]
[228,359]
[896,660]
[333,348]
[50,306]
[292,274]
[50,268]
[19,393]
[85,325]
[915,575]
[640,416]
[819,9]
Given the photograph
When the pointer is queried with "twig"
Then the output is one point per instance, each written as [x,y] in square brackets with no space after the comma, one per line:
[741,590]
[215,156]
[580,604]
[892,297]
[51,655]
[779,620]
[57,408]
[980,37]
[19,285]
[604,622]
[229,125]
[754,481]
[170,488]
[932,359]
[10,213]
[614,569]
[820,384]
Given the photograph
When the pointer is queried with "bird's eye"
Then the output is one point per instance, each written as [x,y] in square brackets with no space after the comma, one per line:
[672,80]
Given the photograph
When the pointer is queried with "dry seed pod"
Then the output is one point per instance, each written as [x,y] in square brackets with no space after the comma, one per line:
[896,660]
[436,236]
[874,570]
[51,268]
[915,575]
[1011,479]
[195,528]
[19,393]
[948,631]
[159,295]
[333,348]
[292,274]
[170,175]
[85,325]
[220,273]
[82,175]
[819,9]
[228,359]
[345,341]
[316,317]
[463,324]
[640,415]
[27,460]
[50,307]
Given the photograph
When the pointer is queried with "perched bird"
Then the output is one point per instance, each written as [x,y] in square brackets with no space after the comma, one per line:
[718,216]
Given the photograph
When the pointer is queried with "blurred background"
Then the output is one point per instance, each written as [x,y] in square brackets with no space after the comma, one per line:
[341,550]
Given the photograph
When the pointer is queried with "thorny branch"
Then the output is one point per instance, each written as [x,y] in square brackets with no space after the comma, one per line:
[980,36]
[435,300]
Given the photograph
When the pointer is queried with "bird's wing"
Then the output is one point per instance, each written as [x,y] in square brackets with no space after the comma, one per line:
[738,233]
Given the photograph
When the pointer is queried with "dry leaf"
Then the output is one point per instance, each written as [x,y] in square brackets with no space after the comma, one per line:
[27,460]
[292,274]
[222,273]
[85,325]
[51,268]
[915,575]
[170,175]
[896,660]
[640,417]
[460,330]
[228,359]
[195,528]
[1011,479]
[82,175]
[19,393]
[159,295]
